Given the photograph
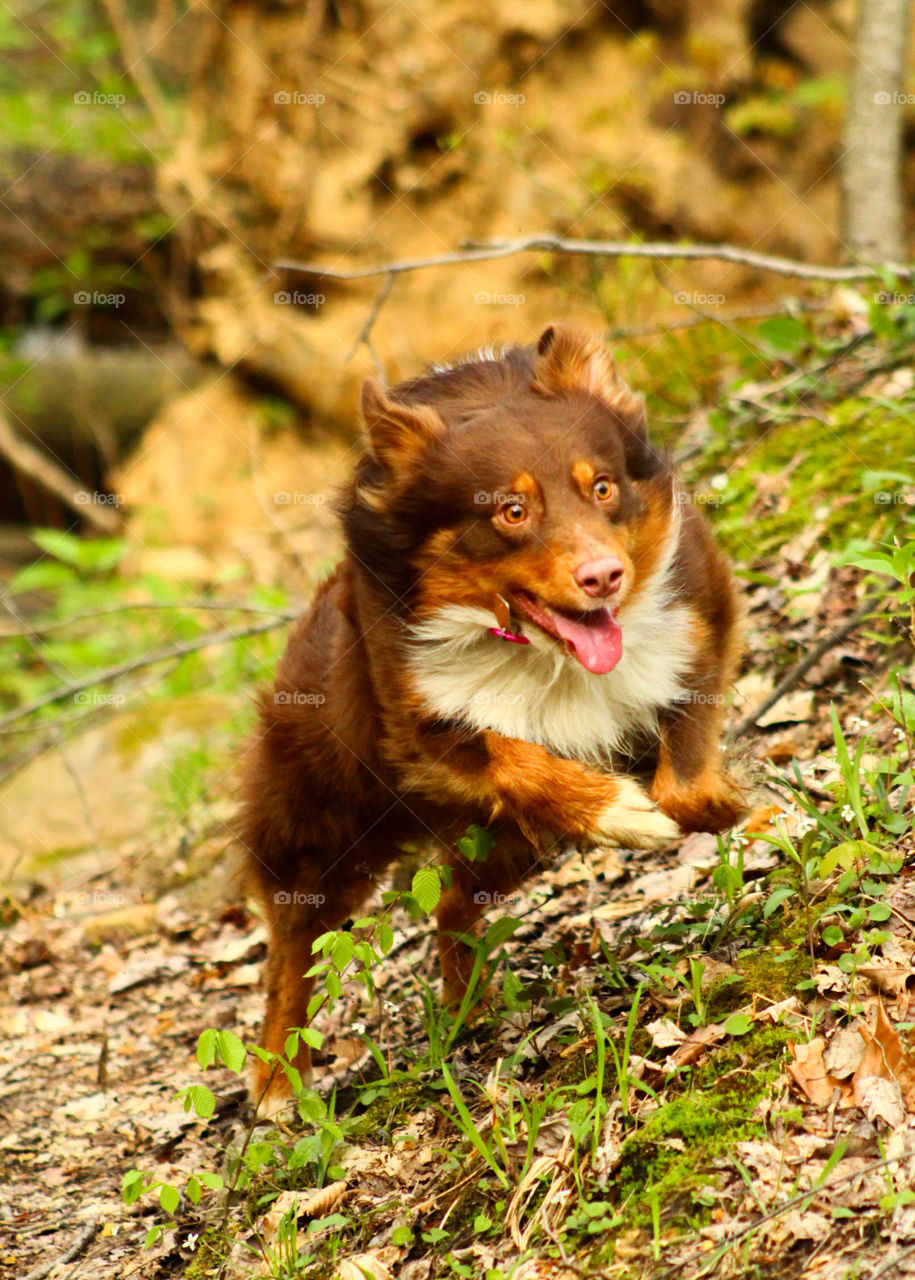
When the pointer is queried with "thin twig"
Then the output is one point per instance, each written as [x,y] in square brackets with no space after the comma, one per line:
[42,628]
[84,1238]
[486,251]
[801,668]
[365,333]
[721,1249]
[892,1263]
[106,674]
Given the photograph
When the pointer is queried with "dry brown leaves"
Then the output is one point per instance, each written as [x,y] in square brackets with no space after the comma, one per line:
[861,1067]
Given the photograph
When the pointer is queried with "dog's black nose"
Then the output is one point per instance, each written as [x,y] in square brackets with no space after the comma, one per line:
[600,577]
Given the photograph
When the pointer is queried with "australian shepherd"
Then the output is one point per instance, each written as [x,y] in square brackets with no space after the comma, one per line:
[531,630]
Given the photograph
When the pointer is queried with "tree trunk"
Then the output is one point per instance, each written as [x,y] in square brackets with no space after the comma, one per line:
[873,221]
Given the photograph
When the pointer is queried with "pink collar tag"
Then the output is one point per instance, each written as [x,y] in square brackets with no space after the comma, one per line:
[502,610]
[503,634]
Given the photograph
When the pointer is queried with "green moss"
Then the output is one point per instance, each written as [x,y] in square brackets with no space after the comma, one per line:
[804,471]
[765,975]
[672,1155]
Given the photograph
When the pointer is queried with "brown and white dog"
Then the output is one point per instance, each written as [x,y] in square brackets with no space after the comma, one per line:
[529,630]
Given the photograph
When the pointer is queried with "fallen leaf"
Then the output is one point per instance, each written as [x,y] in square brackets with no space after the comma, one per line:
[806,1226]
[891,980]
[363,1266]
[792,708]
[695,1045]
[665,1034]
[885,1057]
[880,1099]
[808,1071]
[844,1052]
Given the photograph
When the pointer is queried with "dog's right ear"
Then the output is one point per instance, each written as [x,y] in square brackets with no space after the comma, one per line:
[398,433]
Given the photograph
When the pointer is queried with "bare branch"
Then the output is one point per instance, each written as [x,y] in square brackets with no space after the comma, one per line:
[186,606]
[106,674]
[486,251]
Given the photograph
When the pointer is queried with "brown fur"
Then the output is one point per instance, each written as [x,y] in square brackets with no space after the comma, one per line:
[349,765]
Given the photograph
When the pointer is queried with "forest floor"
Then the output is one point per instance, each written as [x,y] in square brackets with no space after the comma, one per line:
[698,1061]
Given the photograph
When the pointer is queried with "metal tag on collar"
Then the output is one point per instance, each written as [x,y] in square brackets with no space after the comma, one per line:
[502,610]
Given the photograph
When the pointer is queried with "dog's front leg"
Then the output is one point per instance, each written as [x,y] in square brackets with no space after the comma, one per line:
[691,783]
[545,799]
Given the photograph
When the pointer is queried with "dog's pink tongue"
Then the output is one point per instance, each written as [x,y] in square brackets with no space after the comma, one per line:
[596,643]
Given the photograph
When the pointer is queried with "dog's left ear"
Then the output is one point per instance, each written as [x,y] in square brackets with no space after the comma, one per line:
[571,360]
[398,433]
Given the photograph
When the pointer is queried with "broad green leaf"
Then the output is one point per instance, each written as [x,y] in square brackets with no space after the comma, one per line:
[231,1050]
[206,1048]
[169,1199]
[738,1024]
[776,898]
[427,888]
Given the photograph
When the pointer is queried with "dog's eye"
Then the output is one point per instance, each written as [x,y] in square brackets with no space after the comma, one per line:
[514,513]
[604,489]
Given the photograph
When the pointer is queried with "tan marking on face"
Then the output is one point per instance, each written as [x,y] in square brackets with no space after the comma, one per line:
[583,475]
[526,486]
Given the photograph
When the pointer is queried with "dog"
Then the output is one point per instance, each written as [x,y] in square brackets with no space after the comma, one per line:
[531,629]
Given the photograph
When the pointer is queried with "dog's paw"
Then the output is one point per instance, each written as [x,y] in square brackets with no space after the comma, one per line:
[711,803]
[634,821]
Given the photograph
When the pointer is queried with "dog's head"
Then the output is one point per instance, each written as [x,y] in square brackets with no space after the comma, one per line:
[529,477]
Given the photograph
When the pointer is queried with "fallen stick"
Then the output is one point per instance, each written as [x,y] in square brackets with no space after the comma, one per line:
[798,671]
[39,467]
[84,1238]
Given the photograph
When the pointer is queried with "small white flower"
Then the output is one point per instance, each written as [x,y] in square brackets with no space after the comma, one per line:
[359,1028]
[900,734]
[718,482]
[858,722]
[805,824]
[848,813]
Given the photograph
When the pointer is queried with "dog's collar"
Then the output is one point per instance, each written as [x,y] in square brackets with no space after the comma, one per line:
[502,610]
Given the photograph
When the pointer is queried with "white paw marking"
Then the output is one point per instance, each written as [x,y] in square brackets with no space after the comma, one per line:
[634,821]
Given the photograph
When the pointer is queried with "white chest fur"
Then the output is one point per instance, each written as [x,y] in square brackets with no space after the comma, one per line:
[540,694]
